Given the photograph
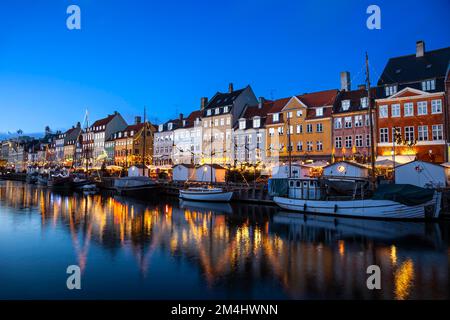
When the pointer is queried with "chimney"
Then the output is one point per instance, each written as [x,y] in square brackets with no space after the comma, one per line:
[137,120]
[261,102]
[420,49]
[362,87]
[203,103]
[181,117]
[116,113]
[345,81]
[78,124]
[230,87]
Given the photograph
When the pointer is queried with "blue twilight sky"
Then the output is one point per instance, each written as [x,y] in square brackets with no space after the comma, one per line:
[168,54]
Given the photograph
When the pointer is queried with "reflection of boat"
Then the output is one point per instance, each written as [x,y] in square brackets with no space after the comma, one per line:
[374,229]
[139,186]
[60,181]
[216,207]
[79,183]
[389,201]
[89,189]
[206,194]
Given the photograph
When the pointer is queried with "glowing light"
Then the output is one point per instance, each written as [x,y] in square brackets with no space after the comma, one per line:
[404,277]
[393,255]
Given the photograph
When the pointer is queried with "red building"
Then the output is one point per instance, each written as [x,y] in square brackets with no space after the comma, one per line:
[411,102]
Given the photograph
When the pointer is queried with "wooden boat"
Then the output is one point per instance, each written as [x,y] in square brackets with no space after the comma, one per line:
[60,181]
[388,202]
[140,186]
[206,194]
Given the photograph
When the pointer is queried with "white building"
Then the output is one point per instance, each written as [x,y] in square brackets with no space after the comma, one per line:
[297,171]
[249,137]
[163,142]
[346,169]
[187,147]
[421,174]
[184,172]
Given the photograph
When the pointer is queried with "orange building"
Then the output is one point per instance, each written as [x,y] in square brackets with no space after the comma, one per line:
[301,124]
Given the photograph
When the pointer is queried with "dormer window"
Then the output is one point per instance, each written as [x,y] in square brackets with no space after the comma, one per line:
[276,117]
[364,102]
[319,112]
[225,109]
[429,85]
[217,111]
[390,90]
[242,124]
[256,123]
[208,112]
[169,126]
[184,123]
[120,134]
[160,129]
[132,133]
[345,105]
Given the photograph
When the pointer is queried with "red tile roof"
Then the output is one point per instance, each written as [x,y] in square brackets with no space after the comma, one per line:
[319,99]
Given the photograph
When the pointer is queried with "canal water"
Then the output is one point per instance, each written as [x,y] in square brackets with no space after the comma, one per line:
[128,249]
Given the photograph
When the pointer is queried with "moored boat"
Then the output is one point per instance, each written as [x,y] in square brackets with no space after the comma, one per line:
[140,186]
[60,181]
[391,201]
[206,194]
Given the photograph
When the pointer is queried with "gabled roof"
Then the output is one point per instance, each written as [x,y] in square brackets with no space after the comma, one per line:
[411,69]
[255,111]
[355,97]
[221,99]
[319,99]
[190,120]
[103,121]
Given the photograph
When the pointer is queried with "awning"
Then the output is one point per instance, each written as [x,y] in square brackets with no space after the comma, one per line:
[399,159]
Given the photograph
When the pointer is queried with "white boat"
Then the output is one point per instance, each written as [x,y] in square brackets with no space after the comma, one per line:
[206,194]
[306,196]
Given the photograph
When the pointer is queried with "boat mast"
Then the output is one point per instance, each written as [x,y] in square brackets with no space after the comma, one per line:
[86,149]
[288,131]
[144,143]
[369,101]
[211,154]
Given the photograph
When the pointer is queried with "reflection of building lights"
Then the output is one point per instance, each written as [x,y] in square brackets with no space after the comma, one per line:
[393,255]
[404,277]
[341,248]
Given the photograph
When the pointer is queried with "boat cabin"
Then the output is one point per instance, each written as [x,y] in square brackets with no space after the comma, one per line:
[307,189]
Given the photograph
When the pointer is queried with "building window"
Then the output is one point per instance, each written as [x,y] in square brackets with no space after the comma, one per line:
[276,117]
[216,122]
[289,115]
[422,132]
[348,122]
[280,131]
[259,138]
[271,132]
[429,85]
[338,142]
[367,120]
[383,111]
[422,108]
[309,128]
[437,132]
[319,127]
[408,109]
[225,109]
[300,146]
[217,111]
[436,106]
[359,140]
[228,121]
[409,134]
[367,140]
[395,110]
[384,135]
[290,130]
[319,112]
[309,145]
[208,112]
[338,123]
[390,90]
[348,142]
[364,102]
[256,123]
[345,105]
[299,113]
[319,145]
[358,121]
[242,124]
[299,129]
[222,121]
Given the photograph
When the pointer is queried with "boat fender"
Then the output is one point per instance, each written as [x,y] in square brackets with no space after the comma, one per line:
[335,208]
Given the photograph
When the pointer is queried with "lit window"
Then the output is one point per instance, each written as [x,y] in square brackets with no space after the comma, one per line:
[225,109]
[345,105]
[242,124]
[429,85]
[395,110]
[383,111]
[338,123]
[422,108]
[208,112]
[436,106]
[364,102]
[256,123]
[408,109]
[217,111]
[299,129]
[275,117]
[319,112]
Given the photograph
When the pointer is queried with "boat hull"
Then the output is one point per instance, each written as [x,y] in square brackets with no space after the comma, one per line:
[215,196]
[371,209]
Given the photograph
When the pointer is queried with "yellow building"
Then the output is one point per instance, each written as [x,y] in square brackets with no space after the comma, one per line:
[304,123]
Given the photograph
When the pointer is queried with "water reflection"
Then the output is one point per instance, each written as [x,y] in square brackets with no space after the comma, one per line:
[233,251]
